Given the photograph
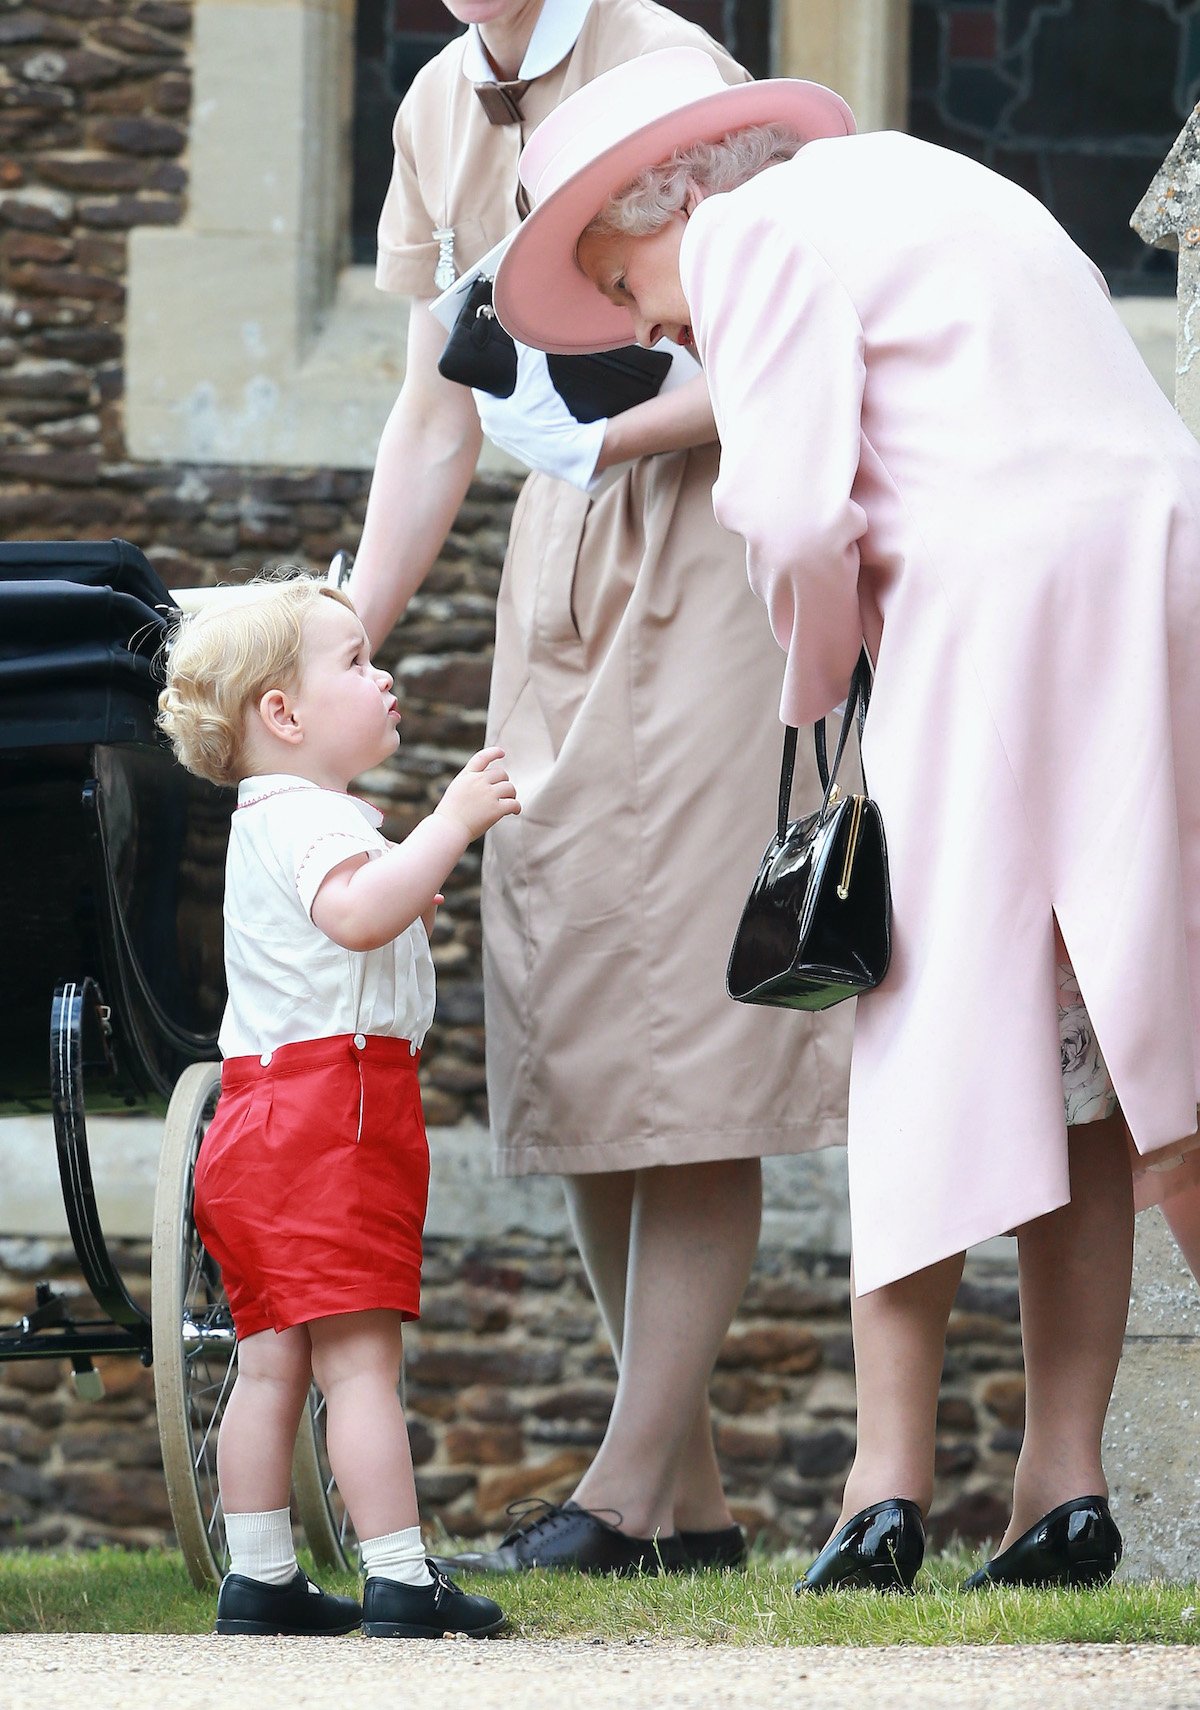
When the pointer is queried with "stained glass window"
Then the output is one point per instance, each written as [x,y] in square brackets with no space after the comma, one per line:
[1076,100]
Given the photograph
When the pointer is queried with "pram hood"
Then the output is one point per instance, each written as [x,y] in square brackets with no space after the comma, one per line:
[81,626]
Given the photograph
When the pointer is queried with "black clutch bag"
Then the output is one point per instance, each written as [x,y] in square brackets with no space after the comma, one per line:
[609,381]
[817,926]
[478,351]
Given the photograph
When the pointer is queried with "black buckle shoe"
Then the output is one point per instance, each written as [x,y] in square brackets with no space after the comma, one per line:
[724,1548]
[552,1535]
[1077,1543]
[395,1611]
[247,1605]
[879,1549]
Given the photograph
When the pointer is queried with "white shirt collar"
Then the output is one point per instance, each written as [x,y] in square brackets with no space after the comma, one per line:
[554,35]
[257,789]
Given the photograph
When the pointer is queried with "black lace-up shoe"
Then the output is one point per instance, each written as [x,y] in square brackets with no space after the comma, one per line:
[550,1535]
[879,1549]
[395,1611]
[725,1548]
[1077,1543]
[248,1606]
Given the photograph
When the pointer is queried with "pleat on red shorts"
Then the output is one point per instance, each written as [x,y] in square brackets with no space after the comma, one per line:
[312,1182]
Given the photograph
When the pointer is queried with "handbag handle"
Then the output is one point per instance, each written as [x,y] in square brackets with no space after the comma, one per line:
[857,702]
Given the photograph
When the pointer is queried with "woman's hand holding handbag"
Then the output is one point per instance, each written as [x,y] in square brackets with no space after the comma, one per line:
[817,926]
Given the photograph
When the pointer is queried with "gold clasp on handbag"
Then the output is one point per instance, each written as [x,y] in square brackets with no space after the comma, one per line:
[856,814]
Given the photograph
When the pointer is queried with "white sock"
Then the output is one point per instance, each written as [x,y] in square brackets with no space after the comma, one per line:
[260,1546]
[397,1555]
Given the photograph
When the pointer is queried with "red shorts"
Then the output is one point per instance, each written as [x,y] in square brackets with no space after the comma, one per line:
[312,1182]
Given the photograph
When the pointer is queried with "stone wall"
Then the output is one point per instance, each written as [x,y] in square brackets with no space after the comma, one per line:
[510,1383]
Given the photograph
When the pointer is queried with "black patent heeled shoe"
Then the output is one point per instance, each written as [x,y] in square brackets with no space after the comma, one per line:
[879,1549]
[1076,1544]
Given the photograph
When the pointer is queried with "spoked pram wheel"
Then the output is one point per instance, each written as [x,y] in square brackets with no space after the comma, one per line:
[195,1348]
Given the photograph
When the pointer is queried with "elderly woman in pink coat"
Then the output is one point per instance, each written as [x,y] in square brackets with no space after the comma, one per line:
[937,438]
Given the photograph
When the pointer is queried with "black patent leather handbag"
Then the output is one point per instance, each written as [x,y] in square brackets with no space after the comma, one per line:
[478,351]
[817,926]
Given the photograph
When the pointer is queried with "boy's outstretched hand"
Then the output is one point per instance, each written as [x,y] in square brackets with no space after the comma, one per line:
[364,904]
[481,794]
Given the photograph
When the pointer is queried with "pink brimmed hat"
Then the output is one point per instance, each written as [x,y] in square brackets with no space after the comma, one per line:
[594,144]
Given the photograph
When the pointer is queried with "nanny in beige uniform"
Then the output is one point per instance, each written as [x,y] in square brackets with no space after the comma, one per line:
[634,691]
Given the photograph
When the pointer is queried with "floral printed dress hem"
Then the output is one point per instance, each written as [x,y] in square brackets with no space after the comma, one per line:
[1088,1094]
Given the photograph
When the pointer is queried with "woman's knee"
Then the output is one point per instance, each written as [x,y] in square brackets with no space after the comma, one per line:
[721,1183]
[606,1195]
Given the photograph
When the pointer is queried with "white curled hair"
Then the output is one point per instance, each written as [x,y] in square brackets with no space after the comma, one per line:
[644,206]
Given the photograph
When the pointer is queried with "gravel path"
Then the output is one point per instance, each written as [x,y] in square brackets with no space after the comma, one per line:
[134,1672]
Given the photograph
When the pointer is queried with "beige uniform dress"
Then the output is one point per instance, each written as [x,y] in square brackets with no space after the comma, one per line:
[636,691]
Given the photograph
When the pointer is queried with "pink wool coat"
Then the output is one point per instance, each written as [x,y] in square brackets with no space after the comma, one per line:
[936,434]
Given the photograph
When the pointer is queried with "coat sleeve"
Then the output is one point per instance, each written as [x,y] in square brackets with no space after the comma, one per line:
[782,348]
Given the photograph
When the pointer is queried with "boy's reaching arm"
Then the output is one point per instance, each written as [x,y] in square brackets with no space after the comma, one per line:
[364,903]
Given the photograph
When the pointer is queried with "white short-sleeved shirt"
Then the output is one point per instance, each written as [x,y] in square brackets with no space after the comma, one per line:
[287,980]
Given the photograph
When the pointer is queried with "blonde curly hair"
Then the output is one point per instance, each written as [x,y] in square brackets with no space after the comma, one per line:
[222,659]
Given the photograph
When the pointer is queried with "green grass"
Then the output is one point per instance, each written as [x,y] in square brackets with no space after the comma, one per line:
[113,1591]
